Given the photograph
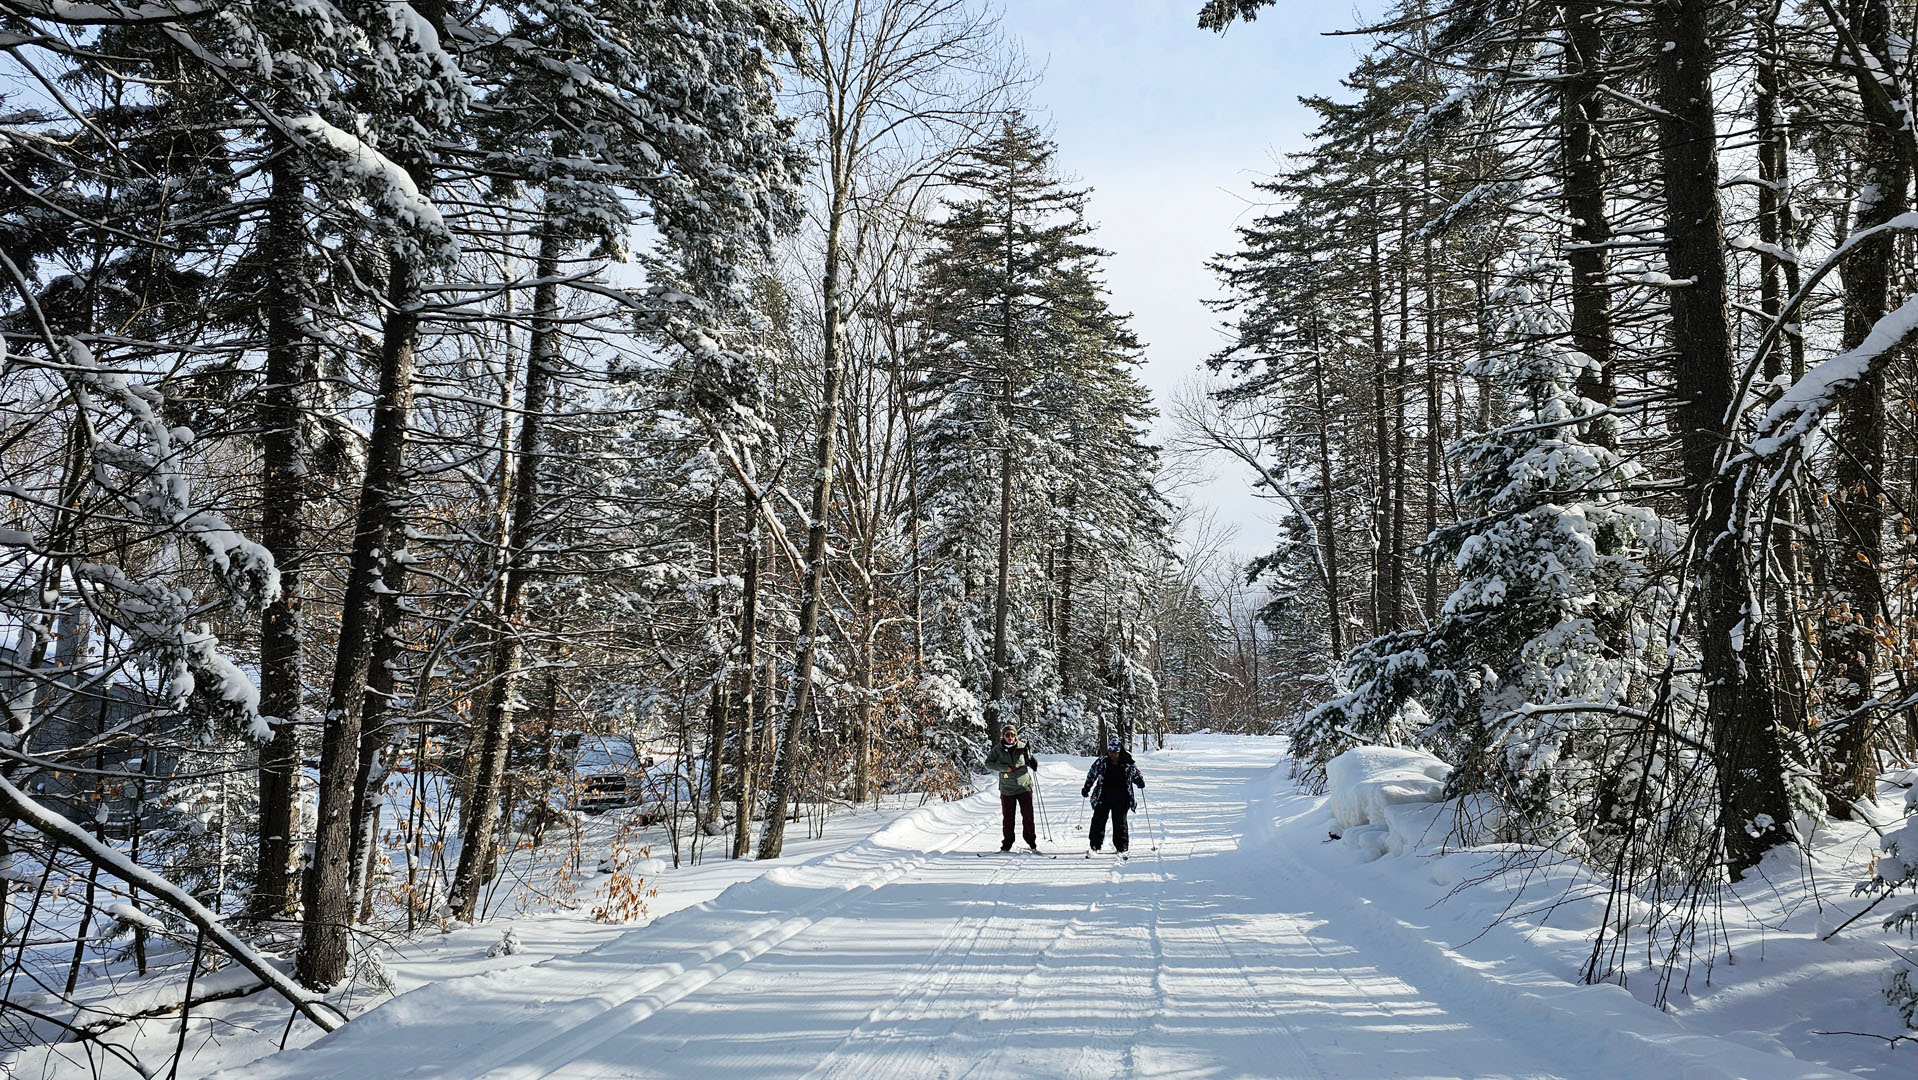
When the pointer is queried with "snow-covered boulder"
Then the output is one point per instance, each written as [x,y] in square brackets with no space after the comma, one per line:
[1386,799]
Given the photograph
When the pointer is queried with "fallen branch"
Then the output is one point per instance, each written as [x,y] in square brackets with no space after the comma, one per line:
[57,828]
[1889,1040]
[124,1054]
[104,1025]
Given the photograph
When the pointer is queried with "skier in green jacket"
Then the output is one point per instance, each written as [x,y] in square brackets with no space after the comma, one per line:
[1017,769]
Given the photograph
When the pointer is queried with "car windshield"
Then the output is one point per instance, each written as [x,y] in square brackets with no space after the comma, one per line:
[605,753]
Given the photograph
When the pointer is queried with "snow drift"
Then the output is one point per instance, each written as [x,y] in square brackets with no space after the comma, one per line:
[1387,801]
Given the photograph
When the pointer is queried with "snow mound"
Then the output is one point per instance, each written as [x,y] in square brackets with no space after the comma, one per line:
[507,945]
[1386,800]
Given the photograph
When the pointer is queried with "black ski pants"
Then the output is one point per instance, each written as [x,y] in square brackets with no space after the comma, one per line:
[1121,836]
[1023,803]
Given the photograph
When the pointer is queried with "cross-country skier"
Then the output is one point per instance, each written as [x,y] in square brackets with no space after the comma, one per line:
[1109,784]
[1016,766]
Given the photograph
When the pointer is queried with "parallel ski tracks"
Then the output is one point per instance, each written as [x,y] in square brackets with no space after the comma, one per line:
[1016,1017]
[671,982]
[1231,953]
[886,1045]
[942,972]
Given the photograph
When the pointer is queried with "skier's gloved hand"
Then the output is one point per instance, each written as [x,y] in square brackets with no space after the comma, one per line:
[1139,780]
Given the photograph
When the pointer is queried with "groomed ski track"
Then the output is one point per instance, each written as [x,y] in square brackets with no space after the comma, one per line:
[1236,950]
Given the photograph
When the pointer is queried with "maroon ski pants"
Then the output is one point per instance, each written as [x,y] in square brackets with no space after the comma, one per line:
[1023,801]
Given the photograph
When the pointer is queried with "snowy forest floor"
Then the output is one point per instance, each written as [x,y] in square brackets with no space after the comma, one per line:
[1247,945]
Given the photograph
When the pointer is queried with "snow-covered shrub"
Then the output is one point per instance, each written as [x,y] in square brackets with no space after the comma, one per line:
[1896,870]
[507,945]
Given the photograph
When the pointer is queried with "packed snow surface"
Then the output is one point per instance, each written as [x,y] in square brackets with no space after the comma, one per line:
[1247,945]
[1272,933]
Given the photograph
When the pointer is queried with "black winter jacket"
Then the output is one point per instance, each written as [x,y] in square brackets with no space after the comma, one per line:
[1095,784]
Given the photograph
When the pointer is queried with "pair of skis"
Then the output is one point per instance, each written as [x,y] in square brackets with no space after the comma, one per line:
[1124,856]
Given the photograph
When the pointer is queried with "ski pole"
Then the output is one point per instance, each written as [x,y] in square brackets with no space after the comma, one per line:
[1038,794]
[1146,808]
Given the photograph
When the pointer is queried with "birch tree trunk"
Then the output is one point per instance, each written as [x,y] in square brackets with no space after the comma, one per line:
[502,695]
[750,719]
[720,700]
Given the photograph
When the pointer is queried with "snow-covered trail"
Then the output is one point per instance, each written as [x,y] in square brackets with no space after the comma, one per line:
[1230,952]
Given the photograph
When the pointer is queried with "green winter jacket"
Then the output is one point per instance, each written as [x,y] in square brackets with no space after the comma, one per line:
[1014,764]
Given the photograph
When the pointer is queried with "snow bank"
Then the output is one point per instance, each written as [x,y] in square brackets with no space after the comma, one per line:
[1499,936]
[1387,800]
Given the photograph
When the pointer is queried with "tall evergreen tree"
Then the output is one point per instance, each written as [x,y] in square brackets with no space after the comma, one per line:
[1033,453]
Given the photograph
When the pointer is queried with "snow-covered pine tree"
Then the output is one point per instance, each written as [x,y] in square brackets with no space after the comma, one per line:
[414,95]
[1548,636]
[1033,449]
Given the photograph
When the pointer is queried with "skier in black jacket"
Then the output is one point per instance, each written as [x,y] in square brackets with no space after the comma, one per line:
[1109,784]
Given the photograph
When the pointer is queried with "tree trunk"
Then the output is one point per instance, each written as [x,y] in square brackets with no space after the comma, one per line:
[502,694]
[721,698]
[367,604]
[1774,235]
[1328,526]
[282,511]
[1002,588]
[1740,712]
[862,774]
[1851,642]
[377,731]
[377,533]
[1434,426]
[1384,613]
[493,562]
[749,715]
[1066,559]
[786,766]
[1401,378]
[1583,109]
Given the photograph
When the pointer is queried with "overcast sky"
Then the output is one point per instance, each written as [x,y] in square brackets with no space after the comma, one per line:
[1170,125]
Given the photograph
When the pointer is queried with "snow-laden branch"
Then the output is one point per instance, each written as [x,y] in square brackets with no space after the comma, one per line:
[391,186]
[761,499]
[1804,406]
[1788,314]
[109,14]
[60,830]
